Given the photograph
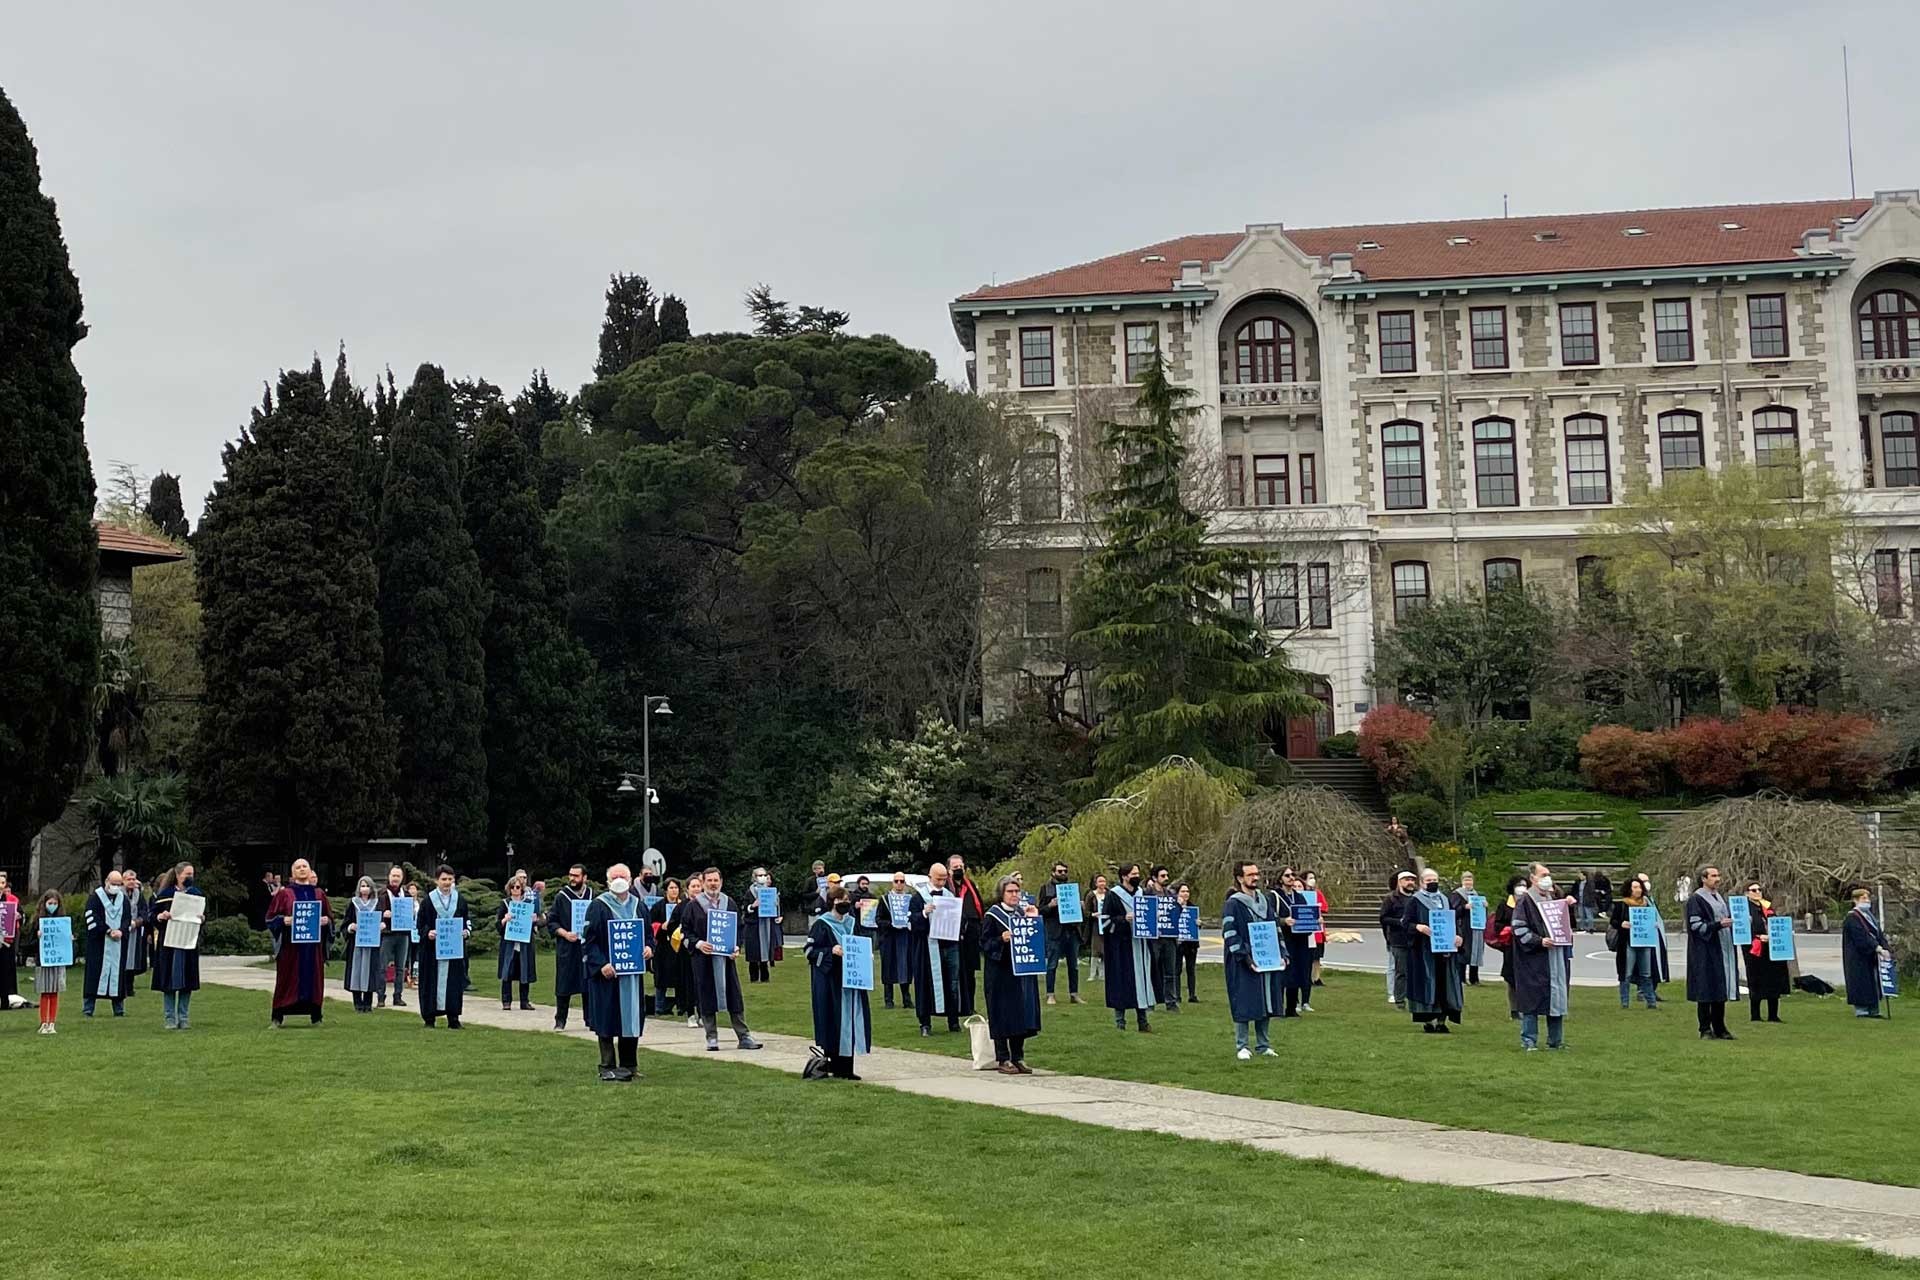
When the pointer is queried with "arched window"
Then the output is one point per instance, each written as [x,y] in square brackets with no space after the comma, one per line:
[1900,448]
[1043,602]
[1776,446]
[1409,587]
[1263,352]
[1589,473]
[1496,473]
[1403,464]
[1499,574]
[1890,326]
[1682,445]
[1040,479]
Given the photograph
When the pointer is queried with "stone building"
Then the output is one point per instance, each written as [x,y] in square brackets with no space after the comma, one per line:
[1402,411]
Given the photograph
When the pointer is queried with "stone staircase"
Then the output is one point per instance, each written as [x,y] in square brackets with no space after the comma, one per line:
[1355,780]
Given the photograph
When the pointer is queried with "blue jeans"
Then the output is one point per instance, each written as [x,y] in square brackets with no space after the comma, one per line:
[176,1004]
[1646,991]
[1530,1030]
[1260,1042]
[1066,943]
[86,1006]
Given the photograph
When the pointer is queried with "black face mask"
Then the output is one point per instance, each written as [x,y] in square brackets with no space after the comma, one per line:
[1133,882]
[841,908]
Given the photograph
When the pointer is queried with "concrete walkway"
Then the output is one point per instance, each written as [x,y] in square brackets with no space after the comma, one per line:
[1881,1217]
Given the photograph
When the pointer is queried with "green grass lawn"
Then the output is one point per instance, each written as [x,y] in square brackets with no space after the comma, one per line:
[1631,832]
[371,1147]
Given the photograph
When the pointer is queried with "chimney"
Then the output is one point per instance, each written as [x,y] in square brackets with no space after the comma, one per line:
[1817,241]
[1340,266]
[1189,275]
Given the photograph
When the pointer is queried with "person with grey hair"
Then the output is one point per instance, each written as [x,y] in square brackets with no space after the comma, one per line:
[716,980]
[1013,1000]
[1712,975]
[1542,971]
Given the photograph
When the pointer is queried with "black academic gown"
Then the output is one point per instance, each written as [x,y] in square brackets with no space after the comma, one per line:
[970,907]
[1532,965]
[894,947]
[174,968]
[1706,963]
[1435,986]
[1619,918]
[1013,1001]
[1766,977]
[775,948]
[604,1012]
[934,994]
[139,938]
[833,1029]
[1860,941]
[429,918]
[1298,942]
[569,958]
[711,992]
[95,968]
[670,971]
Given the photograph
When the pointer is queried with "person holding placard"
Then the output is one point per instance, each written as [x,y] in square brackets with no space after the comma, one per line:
[566,923]
[1162,952]
[1712,977]
[616,947]
[1297,940]
[445,925]
[1063,931]
[362,918]
[1253,997]
[1186,949]
[302,928]
[672,980]
[935,961]
[1312,882]
[1013,997]
[1435,974]
[1637,964]
[971,910]
[1398,937]
[894,945]
[1767,976]
[716,982]
[176,951]
[50,979]
[1542,969]
[108,920]
[842,1015]
[760,927]
[396,936]
[1463,901]
[1129,961]
[519,918]
[1863,945]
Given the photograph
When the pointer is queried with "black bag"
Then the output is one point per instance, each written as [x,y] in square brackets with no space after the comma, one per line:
[1813,986]
[1613,939]
[816,1068]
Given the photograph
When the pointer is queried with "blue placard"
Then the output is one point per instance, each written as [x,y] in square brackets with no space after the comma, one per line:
[56,942]
[1741,913]
[577,923]
[519,921]
[1067,896]
[1145,917]
[1166,916]
[898,905]
[1263,945]
[449,939]
[1445,937]
[1780,937]
[306,923]
[1029,946]
[403,914]
[856,963]
[1645,927]
[767,901]
[723,932]
[366,927]
[1476,911]
[627,947]
[1304,916]
[1189,924]
[1889,977]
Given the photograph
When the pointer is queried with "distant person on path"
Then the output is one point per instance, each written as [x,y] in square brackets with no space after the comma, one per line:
[672,978]
[49,980]
[1096,909]
[971,909]
[1394,931]
[1186,950]
[1129,964]
[1582,891]
[1862,947]
[1435,980]
[842,1016]
[1637,968]
[1253,998]
[1767,978]
[1320,936]
[615,1007]
[443,983]
[569,949]
[300,968]
[936,963]
[1712,978]
[363,973]
[760,936]
[396,945]
[1063,940]
[813,892]
[895,944]
[108,919]
[1602,894]
[176,970]
[1013,1000]
[1297,980]
[1476,948]
[716,980]
[1542,972]
[515,965]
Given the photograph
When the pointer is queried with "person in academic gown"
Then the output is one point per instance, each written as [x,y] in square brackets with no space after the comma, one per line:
[1312,883]
[1862,944]
[1253,998]
[1542,971]
[971,909]
[9,939]
[760,936]
[363,973]
[1129,960]
[894,945]
[935,963]
[1435,981]
[1644,968]
[109,919]
[569,954]
[443,983]
[672,979]
[842,1016]
[1094,907]
[716,982]
[1476,948]
[396,945]
[139,949]
[1013,1000]
[1162,952]
[176,970]
[1712,978]
[1297,979]
[616,1003]
[300,969]
[1500,937]
[1767,979]
[516,958]
[1399,938]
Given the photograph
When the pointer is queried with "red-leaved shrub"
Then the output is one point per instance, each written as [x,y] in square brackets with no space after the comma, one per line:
[1801,752]
[1814,753]
[1708,753]
[1388,736]
[1622,761]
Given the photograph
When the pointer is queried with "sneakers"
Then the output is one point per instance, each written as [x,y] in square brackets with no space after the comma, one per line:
[1075,999]
[1051,1000]
[713,1046]
[172,1023]
[1305,1007]
[1268,1053]
[1245,1055]
[748,1042]
[693,1020]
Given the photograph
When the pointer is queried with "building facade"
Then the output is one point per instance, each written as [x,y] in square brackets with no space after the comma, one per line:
[1393,413]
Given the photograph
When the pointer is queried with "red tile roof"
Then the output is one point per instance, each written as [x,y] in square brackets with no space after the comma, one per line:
[1494,247]
[125,542]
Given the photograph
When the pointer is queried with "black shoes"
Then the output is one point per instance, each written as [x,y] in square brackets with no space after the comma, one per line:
[609,1075]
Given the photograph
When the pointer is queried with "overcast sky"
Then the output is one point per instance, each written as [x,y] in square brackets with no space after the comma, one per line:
[243,185]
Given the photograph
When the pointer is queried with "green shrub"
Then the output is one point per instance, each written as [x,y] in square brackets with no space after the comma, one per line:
[1517,755]
[1341,746]
[1425,818]
[233,936]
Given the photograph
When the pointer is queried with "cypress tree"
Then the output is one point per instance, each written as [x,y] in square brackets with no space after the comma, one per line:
[432,605]
[673,321]
[49,626]
[164,507]
[355,416]
[1183,673]
[630,331]
[293,743]
[534,408]
[540,727]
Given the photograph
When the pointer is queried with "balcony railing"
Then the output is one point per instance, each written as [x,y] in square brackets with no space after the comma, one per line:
[1271,395]
[1881,372]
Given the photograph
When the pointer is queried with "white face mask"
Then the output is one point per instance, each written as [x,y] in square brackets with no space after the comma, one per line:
[619,885]
[1546,884]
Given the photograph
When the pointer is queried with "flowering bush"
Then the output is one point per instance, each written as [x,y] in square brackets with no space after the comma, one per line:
[1623,761]
[1388,737]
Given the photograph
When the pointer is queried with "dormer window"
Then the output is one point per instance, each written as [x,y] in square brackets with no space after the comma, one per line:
[1459,240]
[1369,244]
[1634,231]
[1546,237]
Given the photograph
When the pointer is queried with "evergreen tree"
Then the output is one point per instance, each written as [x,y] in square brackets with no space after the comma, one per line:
[534,408]
[355,416]
[1183,673]
[772,317]
[49,627]
[432,605]
[293,743]
[673,321]
[164,507]
[540,730]
[631,331]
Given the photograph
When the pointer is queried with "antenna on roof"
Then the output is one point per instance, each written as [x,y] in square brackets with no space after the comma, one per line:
[1503,204]
[1846,83]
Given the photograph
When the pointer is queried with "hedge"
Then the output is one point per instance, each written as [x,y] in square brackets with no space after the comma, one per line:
[1800,752]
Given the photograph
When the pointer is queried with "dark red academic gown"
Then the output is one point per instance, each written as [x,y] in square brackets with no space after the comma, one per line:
[299,971]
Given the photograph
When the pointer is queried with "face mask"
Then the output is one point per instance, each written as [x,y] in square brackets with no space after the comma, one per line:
[619,884]
[1546,884]
[113,891]
[841,908]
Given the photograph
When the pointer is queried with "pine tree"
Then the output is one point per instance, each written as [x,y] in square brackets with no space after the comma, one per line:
[49,627]
[772,317]
[540,728]
[355,416]
[631,331]
[1182,672]
[165,508]
[432,605]
[534,408]
[293,743]
[673,321]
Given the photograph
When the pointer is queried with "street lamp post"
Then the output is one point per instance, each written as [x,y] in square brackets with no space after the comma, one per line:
[653,705]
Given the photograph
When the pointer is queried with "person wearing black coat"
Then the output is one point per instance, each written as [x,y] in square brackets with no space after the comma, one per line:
[1712,973]
[1862,944]
[1398,934]
[1767,978]
[672,970]
[1013,1000]
[1644,968]
[971,909]
[1063,940]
